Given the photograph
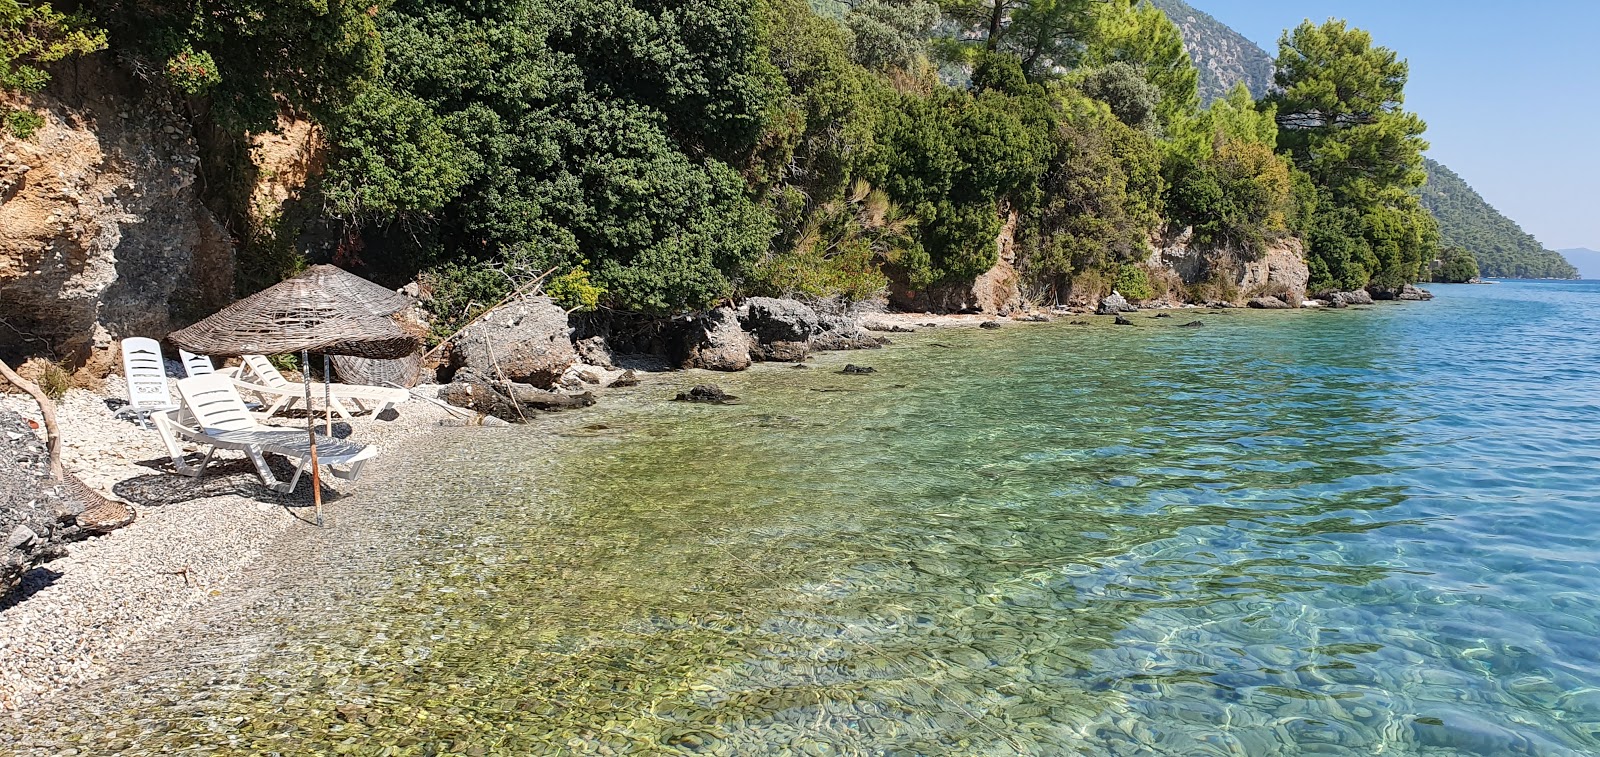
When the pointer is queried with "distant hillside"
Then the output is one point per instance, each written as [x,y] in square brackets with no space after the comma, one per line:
[1224,56]
[1586,260]
[1502,248]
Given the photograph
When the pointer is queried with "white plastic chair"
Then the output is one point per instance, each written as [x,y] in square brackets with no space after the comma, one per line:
[258,377]
[146,374]
[195,365]
[214,416]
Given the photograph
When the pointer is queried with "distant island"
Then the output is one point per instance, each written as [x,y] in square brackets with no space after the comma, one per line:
[1587,261]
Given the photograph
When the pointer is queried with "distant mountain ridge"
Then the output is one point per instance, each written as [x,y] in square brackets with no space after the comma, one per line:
[1224,56]
[1502,248]
[1468,221]
[1587,261]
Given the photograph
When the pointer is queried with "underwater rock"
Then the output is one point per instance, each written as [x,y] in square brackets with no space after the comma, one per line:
[1123,321]
[707,393]
[1192,325]
[989,325]
[854,370]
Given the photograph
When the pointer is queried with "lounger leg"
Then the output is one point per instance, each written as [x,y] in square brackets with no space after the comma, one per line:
[349,474]
[299,468]
[265,472]
[282,403]
[338,407]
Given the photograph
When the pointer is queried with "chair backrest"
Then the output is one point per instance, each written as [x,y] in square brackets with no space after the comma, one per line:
[214,404]
[146,373]
[262,368]
[195,365]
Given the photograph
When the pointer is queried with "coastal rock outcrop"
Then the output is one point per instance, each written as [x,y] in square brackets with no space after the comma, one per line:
[841,331]
[717,342]
[1114,304]
[526,341]
[782,328]
[996,291]
[35,521]
[1346,299]
[1215,275]
[1406,292]
[102,231]
[1268,303]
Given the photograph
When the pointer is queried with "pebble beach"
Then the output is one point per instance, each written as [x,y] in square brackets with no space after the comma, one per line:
[73,616]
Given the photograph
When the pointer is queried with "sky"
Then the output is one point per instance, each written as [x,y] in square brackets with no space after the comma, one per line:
[1510,91]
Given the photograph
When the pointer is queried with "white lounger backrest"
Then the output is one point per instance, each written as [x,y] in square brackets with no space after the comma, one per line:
[146,373]
[262,368]
[214,404]
[195,365]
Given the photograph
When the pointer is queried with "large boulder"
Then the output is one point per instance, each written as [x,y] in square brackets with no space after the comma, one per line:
[36,520]
[782,328]
[1346,299]
[1268,303]
[526,341]
[839,331]
[1115,303]
[717,342]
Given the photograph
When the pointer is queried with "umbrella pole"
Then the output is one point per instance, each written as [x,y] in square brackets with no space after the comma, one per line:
[311,431]
[327,390]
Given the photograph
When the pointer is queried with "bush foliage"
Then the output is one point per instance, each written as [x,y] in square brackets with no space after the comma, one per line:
[665,155]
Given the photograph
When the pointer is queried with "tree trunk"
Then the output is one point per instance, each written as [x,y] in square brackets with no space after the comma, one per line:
[47,409]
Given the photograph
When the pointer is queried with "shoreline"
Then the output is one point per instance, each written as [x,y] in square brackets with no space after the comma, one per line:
[72,617]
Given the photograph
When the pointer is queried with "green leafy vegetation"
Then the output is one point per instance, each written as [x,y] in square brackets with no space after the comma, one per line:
[34,35]
[1340,118]
[666,155]
[1453,266]
[1500,247]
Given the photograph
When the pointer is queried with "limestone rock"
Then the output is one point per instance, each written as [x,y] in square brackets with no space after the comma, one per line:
[710,394]
[595,351]
[782,328]
[1346,299]
[716,342]
[526,341]
[1115,303]
[102,231]
[841,331]
[1268,303]
[508,401]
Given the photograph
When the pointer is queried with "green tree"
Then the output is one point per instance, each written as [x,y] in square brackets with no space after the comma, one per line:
[1340,118]
[1454,266]
[1226,181]
[245,56]
[1140,34]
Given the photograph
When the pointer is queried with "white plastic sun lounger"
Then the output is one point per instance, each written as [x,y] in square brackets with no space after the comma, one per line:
[214,417]
[276,393]
[146,373]
[195,365]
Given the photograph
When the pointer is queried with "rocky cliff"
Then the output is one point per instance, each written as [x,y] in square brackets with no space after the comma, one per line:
[1220,275]
[102,231]
[1224,56]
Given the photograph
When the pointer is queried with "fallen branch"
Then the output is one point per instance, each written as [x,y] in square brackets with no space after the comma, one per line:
[47,409]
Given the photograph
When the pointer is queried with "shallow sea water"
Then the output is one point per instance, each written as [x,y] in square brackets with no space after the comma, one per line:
[1359,532]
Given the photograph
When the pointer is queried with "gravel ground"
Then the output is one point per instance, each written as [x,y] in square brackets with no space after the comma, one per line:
[72,616]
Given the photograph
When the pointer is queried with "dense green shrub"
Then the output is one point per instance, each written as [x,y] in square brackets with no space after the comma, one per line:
[1133,282]
[34,35]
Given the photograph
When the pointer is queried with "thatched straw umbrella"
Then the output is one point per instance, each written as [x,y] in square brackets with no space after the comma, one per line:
[325,309]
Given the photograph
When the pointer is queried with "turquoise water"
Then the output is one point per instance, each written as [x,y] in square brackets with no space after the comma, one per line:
[1359,532]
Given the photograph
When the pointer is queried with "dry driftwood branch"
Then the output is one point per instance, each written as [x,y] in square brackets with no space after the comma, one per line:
[47,409]
[503,300]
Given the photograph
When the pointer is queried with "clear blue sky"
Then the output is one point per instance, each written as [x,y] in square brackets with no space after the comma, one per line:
[1510,91]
